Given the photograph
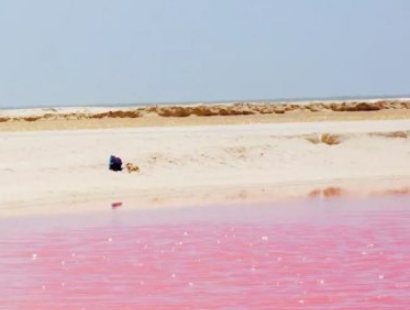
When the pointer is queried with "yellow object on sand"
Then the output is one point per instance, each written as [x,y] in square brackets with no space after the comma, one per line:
[132,168]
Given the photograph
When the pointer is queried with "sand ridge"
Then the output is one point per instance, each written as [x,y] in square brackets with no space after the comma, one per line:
[202,114]
[199,110]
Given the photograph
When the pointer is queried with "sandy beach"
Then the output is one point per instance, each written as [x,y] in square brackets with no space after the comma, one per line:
[200,160]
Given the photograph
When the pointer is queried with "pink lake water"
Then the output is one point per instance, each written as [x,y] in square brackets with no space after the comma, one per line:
[313,254]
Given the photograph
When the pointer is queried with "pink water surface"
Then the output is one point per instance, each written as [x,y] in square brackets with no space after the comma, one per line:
[335,254]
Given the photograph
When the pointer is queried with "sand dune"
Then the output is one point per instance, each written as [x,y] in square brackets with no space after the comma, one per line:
[200,114]
[234,109]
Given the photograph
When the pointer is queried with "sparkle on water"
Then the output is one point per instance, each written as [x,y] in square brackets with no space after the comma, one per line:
[334,254]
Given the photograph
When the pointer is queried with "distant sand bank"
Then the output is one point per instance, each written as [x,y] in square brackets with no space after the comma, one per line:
[47,172]
[201,114]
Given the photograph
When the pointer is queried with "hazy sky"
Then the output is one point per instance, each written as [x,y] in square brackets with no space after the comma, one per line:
[127,51]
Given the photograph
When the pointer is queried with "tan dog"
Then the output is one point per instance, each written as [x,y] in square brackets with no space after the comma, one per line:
[132,168]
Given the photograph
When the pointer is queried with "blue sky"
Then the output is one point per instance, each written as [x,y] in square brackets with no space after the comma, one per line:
[83,52]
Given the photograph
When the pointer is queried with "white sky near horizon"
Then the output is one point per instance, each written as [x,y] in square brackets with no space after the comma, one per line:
[86,52]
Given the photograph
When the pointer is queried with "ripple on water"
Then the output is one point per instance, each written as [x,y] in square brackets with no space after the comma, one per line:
[352,260]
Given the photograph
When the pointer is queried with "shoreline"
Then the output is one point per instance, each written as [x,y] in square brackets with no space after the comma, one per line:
[360,188]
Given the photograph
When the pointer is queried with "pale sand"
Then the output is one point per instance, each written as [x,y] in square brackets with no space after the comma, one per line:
[48,172]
